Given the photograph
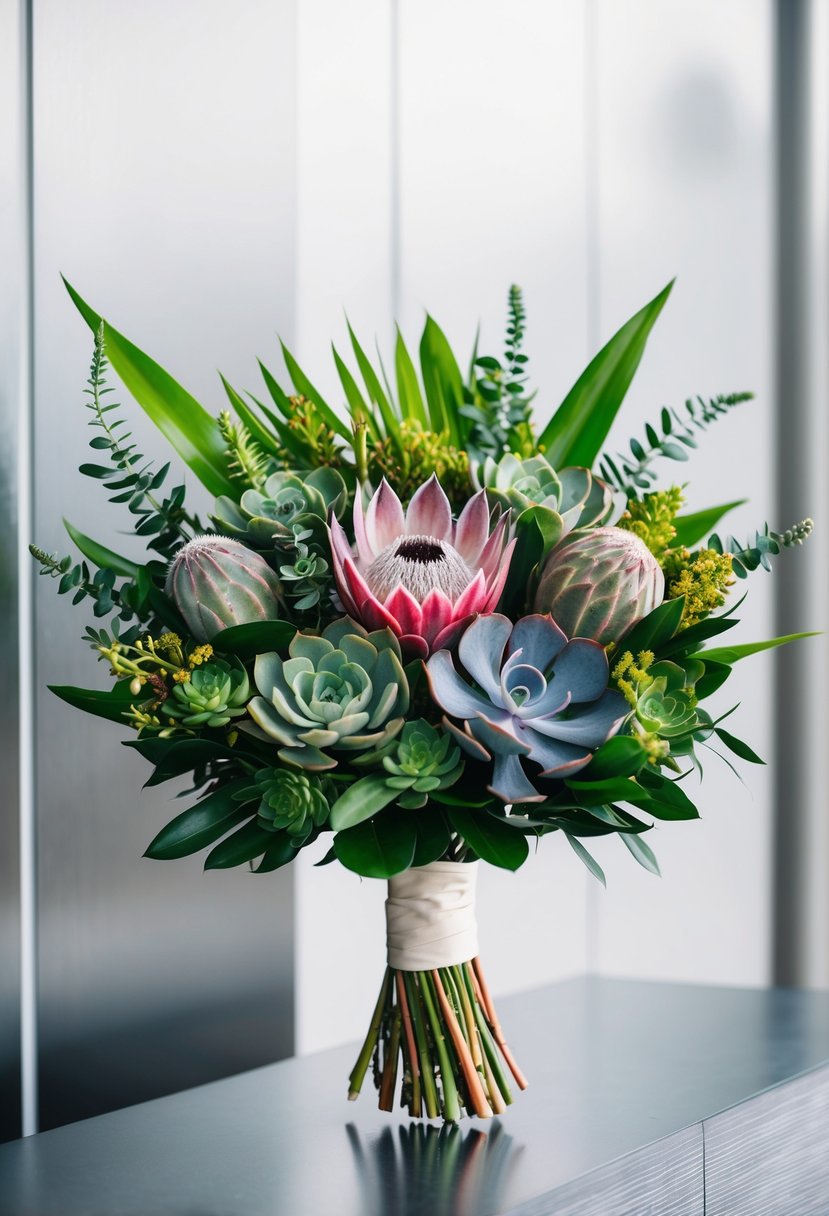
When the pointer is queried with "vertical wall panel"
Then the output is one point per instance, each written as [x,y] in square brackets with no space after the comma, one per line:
[344,250]
[164,189]
[13,378]
[685,189]
[493,191]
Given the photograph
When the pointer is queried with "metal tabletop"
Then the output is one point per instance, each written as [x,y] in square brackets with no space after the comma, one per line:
[643,1097]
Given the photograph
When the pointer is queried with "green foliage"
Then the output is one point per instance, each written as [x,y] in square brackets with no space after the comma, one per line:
[579,427]
[108,596]
[677,435]
[760,548]
[247,463]
[498,401]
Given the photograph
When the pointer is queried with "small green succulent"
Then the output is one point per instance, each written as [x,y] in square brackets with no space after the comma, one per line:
[214,694]
[266,517]
[574,496]
[661,694]
[291,801]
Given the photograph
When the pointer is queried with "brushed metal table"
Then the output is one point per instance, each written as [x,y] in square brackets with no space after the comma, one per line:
[662,1099]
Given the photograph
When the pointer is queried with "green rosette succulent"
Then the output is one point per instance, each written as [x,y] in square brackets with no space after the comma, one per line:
[292,802]
[415,765]
[576,497]
[214,694]
[287,500]
[661,694]
[343,691]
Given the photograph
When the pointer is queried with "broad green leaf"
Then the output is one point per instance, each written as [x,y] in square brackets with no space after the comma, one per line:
[258,637]
[668,800]
[379,847]
[304,386]
[490,838]
[738,747]
[715,676]
[576,432]
[361,800]
[688,639]
[611,789]
[99,555]
[249,842]
[731,654]
[587,858]
[442,381]
[280,852]
[391,422]
[433,836]
[621,756]
[692,528]
[199,826]
[246,416]
[654,630]
[643,853]
[408,388]
[111,703]
[186,424]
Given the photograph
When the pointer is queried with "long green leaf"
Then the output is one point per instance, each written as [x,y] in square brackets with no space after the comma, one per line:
[248,842]
[408,387]
[642,852]
[110,703]
[304,386]
[587,858]
[103,558]
[186,424]
[360,801]
[692,528]
[442,381]
[263,437]
[391,422]
[356,402]
[278,395]
[199,826]
[576,432]
[730,654]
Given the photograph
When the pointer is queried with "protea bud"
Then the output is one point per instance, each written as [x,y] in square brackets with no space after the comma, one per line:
[217,582]
[598,583]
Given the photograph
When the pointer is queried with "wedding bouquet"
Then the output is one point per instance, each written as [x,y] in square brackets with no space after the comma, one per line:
[423,625]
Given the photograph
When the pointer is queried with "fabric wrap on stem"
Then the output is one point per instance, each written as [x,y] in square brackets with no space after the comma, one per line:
[430,916]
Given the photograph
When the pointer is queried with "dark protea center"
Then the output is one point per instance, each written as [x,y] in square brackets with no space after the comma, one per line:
[419,563]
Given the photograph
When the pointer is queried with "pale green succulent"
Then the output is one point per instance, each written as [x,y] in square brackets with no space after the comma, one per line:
[213,695]
[575,496]
[291,801]
[345,690]
[269,515]
[665,700]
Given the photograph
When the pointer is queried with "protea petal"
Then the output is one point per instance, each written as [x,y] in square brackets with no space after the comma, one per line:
[384,518]
[438,612]
[364,549]
[472,529]
[496,589]
[429,512]
[473,599]
[405,609]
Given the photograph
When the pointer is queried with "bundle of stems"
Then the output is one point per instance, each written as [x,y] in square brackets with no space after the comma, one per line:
[442,1025]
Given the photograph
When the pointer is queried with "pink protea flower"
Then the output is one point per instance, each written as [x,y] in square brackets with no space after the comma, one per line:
[419,573]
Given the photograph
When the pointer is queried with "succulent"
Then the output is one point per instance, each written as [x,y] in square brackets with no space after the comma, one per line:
[661,694]
[291,802]
[421,761]
[536,697]
[574,495]
[418,572]
[598,583]
[211,695]
[217,582]
[268,516]
[345,690]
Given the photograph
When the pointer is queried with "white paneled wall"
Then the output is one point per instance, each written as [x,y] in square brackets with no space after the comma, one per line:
[589,151]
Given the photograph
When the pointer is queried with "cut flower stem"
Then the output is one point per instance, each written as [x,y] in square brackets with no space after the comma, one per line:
[437,1034]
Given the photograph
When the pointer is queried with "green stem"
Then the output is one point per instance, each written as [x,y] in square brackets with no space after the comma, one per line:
[487,1041]
[358,1073]
[427,1068]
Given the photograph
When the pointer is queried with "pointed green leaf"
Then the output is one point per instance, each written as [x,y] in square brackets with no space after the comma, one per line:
[730,654]
[576,432]
[621,756]
[278,395]
[103,558]
[692,528]
[656,629]
[110,703]
[442,381]
[249,842]
[186,424]
[433,836]
[357,404]
[257,637]
[378,848]
[587,858]
[304,386]
[738,747]
[360,801]
[491,838]
[642,852]
[246,416]
[391,422]
[199,826]
[408,387]
[280,852]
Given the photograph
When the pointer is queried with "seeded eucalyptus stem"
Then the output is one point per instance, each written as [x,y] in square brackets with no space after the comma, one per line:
[435,1035]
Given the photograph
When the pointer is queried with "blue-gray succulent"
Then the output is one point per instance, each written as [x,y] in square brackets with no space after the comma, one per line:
[528,694]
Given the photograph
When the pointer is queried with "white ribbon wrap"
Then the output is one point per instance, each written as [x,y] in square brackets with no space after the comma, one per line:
[430,916]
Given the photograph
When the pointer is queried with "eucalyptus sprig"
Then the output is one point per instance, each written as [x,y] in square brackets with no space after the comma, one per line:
[759,549]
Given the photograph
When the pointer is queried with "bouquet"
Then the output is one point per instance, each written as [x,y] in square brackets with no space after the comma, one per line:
[422,623]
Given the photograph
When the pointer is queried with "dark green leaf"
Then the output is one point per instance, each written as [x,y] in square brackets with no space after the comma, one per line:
[186,755]
[304,386]
[361,800]
[587,858]
[279,853]
[199,826]
[692,528]
[378,848]
[490,838]
[408,388]
[442,380]
[432,836]
[738,747]
[654,630]
[715,676]
[110,703]
[259,637]
[621,756]
[250,841]
[579,427]
[643,853]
